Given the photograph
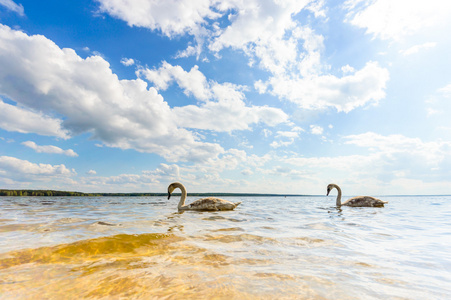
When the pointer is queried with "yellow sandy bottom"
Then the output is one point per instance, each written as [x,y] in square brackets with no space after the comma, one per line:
[146,266]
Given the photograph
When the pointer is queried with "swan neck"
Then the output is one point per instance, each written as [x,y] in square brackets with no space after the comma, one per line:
[338,195]
[183,196]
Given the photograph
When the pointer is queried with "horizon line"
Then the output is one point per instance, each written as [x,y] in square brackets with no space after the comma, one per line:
[238,194]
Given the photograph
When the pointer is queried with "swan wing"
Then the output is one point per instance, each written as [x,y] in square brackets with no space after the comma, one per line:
[364,201]
[211,204]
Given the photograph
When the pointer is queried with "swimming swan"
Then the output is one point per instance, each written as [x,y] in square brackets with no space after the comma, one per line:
[210,203]
[359,201]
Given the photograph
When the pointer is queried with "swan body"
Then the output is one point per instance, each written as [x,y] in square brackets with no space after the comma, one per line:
[204,204]
[359,201]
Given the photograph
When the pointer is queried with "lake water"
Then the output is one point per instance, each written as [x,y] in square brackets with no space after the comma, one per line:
[267,248]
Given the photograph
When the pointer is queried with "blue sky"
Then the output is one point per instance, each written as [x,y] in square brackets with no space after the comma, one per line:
[226,96]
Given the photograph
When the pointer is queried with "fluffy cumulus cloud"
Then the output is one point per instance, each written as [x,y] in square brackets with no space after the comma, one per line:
[249,21]
[395,20]
[343,93]
[271,37]
[17,170]
[49,149]
[128,62]
[192,82]
[21,119]
[255,22]
[84,96]
[315,129]
[300,75]
[171,17]
[222,108]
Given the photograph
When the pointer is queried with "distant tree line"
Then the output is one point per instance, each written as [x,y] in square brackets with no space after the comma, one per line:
[39,193]
[22,193]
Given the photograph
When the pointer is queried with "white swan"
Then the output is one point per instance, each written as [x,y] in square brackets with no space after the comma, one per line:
[359,201]
[210,203]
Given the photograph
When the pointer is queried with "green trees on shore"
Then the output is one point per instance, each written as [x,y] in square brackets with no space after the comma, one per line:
[22,193]
[39,193]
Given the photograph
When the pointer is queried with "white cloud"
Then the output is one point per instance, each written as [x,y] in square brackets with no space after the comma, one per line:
[133,182]
[318,8]
[247,172]
[189,51]
[230,160]
[397,143]
[262,29]
[412,156]
[256,22]
[11,5]
[266,132]
[345,94]
[245,144]
[281,143]
[389,160]
[91,172]
[260,86]
[20,119]
[347,69]
[301,77]
[445,91]
[172,17]
[37,74]
[397,19]
[287,134]
[315,129]
[286,138]
[23,170]
[223,108]
[192,82]
[250,21]
[49,149]
[439,105]
[387,166]
[431,112]
[128,62]
[417,48]
[269,35]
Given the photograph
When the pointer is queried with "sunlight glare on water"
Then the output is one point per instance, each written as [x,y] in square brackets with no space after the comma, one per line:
[269,247]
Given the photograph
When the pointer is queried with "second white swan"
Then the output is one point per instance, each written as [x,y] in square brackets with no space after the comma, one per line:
[204,204]
[359,201]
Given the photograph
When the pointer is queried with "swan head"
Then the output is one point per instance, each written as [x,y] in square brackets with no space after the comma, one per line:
[171,188]
[329,188]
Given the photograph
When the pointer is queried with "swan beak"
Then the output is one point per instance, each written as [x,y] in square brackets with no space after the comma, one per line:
[328,191]
[169,195]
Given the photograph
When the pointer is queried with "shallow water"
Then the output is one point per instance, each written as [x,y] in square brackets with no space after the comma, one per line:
[289,248]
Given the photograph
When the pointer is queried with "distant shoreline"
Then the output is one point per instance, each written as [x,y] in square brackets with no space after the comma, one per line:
[54,193]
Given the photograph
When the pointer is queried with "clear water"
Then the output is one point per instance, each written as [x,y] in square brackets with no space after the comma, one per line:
[268,248]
